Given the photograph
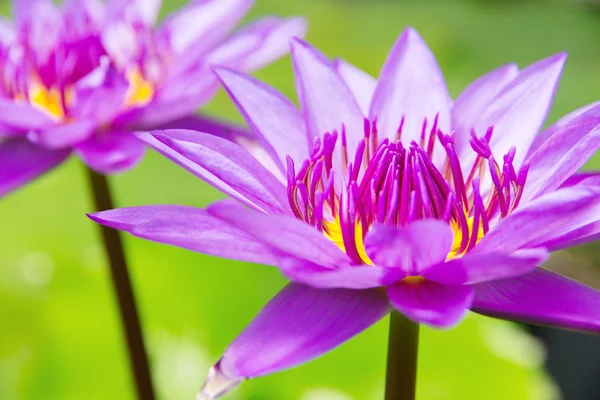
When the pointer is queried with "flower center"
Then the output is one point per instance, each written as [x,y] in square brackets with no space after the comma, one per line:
[389,183]
[56,101]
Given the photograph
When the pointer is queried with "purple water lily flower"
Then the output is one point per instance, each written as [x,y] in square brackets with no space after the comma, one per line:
[81,77]
[387,194]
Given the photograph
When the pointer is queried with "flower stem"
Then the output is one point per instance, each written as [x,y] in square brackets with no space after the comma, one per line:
[123,289]
[403,345]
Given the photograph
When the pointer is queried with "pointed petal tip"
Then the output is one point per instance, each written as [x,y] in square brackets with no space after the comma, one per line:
[410,34]
[108,218]
[555,61]
[226,75]
[217,384]
[300,25]
[410,31]
[300,48]
[298,42]
[509,68]
[94,216]
[104,218]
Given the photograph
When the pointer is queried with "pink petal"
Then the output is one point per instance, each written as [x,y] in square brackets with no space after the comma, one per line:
[100,94]
[548,132]
[431,303]
[541,297]
[190,228]
[346,276]
[284,233]
[61,136]
[199,26]
[258,44]
[563,153]
[583,179]
[272,117]
[412,248]
[412,86]
[224,165]
[297,325]
[543,219]
[21,115]
[520,110]
[325,99]
[22,161]
[231,132]
[111,152]
[475,268]
[473,102]
[145,11]
[361,84]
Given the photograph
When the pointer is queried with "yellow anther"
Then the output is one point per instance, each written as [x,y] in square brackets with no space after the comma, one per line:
[333,231]
[140,90]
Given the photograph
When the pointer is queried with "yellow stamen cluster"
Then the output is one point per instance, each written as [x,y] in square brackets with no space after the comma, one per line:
[50,100]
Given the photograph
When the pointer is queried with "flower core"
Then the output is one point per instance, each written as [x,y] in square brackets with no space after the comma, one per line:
[387,182]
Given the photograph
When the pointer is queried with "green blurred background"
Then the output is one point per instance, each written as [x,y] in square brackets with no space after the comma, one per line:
[60,336]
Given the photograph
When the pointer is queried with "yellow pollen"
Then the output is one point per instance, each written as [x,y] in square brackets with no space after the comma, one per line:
[458,236]
[49,100]
[413,280]
[140,90]
[333,231]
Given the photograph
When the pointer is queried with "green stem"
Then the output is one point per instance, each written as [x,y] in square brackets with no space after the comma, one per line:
[123,290]
[403,345]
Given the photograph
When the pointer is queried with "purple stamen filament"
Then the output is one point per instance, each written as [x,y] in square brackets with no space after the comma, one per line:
[386,182]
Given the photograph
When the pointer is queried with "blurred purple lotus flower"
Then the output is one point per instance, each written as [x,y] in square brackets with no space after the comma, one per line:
[385,194]
[81,77]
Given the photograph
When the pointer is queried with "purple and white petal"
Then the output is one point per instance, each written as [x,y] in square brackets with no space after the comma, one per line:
[297,325]
[476,268]
[273,118]
[543,219]
[286,234]
[430,303]
[257,44]
[231,132]
[583,179]
[65,135]
[519,111]
[111,152]
[541,297]
[585,234]
[325,99]
[473,102]
[190,228]
[100,95]
[223,164]
[145,11]
[349,277]
[410,86]
[412,248]
[41,25]
[22,161]
[548,132]
[198,27]
[20,115]
[361,84]
[562,154]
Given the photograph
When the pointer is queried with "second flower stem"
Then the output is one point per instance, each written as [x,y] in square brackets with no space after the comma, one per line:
[403,345]
[123,290]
